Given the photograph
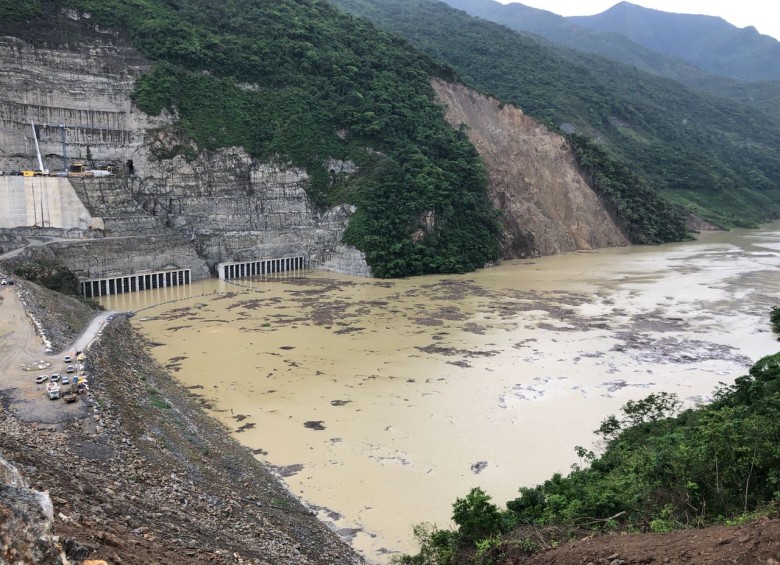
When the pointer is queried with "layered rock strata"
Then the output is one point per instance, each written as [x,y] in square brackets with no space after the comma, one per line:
[222,206]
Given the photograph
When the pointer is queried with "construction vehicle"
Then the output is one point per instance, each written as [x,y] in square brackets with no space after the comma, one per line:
[53,390]
[41,171]
[80,169]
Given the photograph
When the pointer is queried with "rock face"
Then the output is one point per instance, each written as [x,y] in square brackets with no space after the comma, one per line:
[547,205]
[26,518]
[222,206]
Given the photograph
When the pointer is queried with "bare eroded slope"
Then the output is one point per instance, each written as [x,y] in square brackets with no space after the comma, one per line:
[547,205]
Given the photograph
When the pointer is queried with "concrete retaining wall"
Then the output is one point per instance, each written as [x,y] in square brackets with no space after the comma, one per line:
[46,202]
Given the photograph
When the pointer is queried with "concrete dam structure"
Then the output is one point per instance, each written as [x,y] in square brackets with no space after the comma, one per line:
[244,269]
[134,283]
[43,202]
[166,213]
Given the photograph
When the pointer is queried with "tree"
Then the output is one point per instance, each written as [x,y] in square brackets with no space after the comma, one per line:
[477,518]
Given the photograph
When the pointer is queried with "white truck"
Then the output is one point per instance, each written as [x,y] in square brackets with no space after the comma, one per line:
[53,390]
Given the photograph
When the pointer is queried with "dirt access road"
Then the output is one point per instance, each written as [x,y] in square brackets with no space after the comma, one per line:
[23,358]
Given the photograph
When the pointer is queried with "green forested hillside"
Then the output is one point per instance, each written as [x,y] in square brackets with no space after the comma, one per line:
[708,42]
[300,81]
[762,95]
[714,157]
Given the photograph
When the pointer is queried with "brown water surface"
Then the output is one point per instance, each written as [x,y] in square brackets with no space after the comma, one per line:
[380,402]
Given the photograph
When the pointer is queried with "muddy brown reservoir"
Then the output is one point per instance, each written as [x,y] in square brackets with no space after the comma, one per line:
[380,402]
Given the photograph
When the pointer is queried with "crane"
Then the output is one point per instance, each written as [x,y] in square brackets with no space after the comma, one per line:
[40,170]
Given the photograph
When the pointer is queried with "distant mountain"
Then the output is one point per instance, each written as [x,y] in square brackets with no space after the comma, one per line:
[762,95]
[716,158]
[708,42]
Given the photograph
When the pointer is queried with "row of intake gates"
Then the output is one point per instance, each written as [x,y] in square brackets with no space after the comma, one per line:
[93,288]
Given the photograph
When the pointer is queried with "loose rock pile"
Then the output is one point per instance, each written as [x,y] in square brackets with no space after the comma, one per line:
[146,477]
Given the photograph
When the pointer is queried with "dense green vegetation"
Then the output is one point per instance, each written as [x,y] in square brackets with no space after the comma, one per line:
[710,155]
[775,317]
[300,82]
[16,10]
[643,216]
[761,95]
[661,469]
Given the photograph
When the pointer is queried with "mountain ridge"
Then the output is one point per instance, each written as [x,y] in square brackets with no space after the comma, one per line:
[704,153]
[708,42]
[561,30]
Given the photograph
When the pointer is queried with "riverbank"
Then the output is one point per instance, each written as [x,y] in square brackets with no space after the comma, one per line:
[144,476]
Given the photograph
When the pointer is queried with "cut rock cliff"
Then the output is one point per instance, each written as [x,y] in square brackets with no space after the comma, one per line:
[174,213]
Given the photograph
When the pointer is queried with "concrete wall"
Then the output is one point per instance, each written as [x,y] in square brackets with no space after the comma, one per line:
[49,202]
[106,258]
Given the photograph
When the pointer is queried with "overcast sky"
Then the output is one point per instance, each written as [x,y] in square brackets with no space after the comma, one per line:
[764,15]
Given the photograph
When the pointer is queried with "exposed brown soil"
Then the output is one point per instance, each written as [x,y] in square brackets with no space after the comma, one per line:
[757,543]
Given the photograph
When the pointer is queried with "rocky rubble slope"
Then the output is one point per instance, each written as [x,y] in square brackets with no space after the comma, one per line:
[25,521]
[148,478]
